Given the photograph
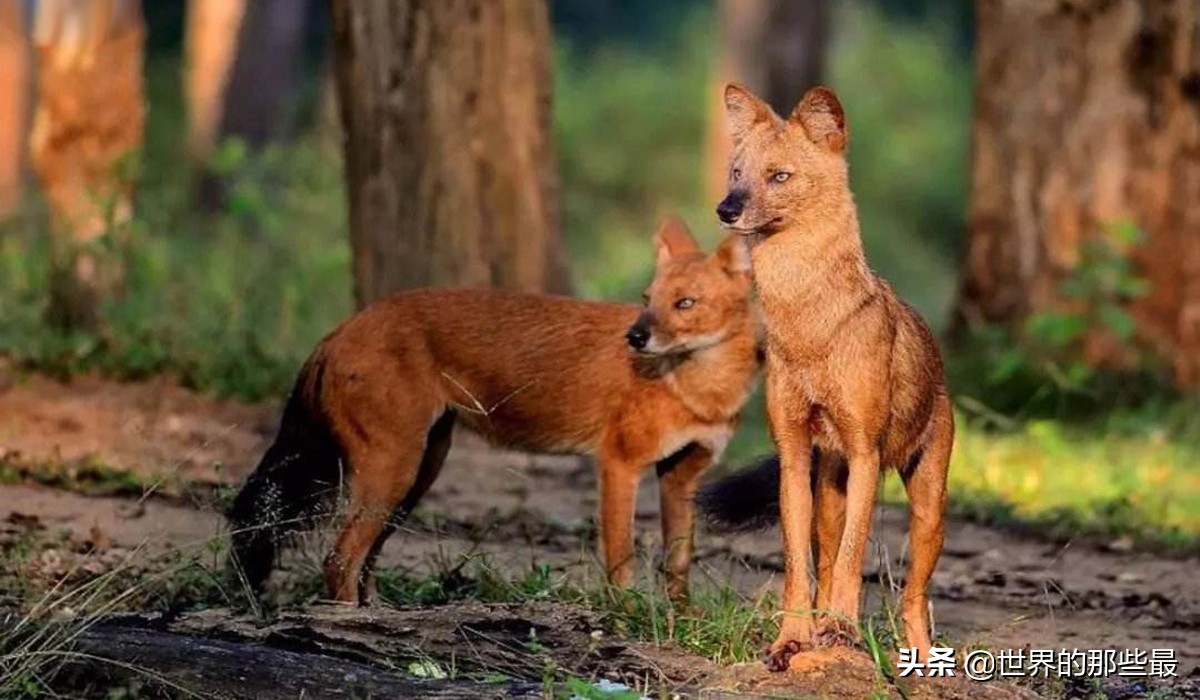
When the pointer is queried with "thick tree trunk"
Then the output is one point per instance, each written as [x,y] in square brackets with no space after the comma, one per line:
[211,43]
[774,47]
[1087,114]
[88,118]
[14,103]
[449,156]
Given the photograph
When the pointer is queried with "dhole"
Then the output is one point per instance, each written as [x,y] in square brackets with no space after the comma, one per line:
[851,370]
[658,385]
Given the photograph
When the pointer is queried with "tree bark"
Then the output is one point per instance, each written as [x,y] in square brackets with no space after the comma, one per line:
[14,103]
[210,45]
[774,47]
[1087,114]
[450,163]
[88,118]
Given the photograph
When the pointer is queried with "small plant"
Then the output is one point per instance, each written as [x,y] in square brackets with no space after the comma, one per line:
[580,689]
[1094,296]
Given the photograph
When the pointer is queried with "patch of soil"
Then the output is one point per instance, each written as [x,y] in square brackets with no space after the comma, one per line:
[153,428]
[995,590]
[838,673]
[991,588]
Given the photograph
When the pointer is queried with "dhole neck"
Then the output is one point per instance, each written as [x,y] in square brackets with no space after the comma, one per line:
[821,241]
[813,269]
[714,381]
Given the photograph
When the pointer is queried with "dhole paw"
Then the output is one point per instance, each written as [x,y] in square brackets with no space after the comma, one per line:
[780,654]
[834,633]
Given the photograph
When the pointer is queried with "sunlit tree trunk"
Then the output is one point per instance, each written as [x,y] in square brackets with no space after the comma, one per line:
[87,124]
[1087,114]
[242,75]
[449,157]
[14,103]
[774,47]
[211,47]
[262,83]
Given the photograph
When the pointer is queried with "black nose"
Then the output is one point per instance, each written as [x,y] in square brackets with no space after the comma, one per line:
[637,337]
[730,209]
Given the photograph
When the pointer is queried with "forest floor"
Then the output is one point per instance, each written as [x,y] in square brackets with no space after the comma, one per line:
[120,483]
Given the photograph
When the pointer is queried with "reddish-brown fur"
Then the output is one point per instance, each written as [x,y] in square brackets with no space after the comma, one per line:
[537,373]
[851,369]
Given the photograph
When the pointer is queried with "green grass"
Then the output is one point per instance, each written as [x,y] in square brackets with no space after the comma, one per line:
[88,476]
[1132,473]
[719,623]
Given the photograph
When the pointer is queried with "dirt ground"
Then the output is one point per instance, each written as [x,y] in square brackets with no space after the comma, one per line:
[992,589]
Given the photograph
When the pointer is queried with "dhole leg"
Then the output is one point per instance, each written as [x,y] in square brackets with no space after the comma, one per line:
[829,520]
[618,491]
[437,447]
[380,477]
[676,489]
[792,437]
[841,621]
[926,486]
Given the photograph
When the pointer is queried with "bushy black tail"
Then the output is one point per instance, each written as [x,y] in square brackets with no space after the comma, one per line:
[745,500]
[296,477]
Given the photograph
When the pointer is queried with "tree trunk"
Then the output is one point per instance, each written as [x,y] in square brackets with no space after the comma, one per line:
[242,75]
[450,164]
[1087,114]
[263,78]
[774,47]
[14,103]
[87,121]
[211,43]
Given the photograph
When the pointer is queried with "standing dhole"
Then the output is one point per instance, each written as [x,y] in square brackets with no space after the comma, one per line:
[658,385]
[852,371]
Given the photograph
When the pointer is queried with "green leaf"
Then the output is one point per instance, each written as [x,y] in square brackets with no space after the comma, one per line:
[1056,329]
[1126,232]
[1073,287]
[1006,367]
[426,669]
[1078,374]
[1117,320]
[1133,287]
[229,156]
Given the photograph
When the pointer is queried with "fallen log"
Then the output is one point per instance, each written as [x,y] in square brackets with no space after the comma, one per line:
[339,651]
[181,665]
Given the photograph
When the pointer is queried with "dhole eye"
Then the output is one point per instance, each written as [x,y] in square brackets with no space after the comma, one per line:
[685,303]
[645,298]
[737,174]
[781,176]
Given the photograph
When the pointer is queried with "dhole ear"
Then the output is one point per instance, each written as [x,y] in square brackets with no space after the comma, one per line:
[743,110]
[821,116]
[734,255]
[672,240]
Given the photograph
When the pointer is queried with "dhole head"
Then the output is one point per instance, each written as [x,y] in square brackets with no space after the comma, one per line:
[695,300]
[780,168]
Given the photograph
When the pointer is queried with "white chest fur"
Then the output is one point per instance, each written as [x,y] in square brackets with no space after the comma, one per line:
[713,437]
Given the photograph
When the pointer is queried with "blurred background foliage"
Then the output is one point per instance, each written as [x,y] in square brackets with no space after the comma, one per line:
[232,300]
